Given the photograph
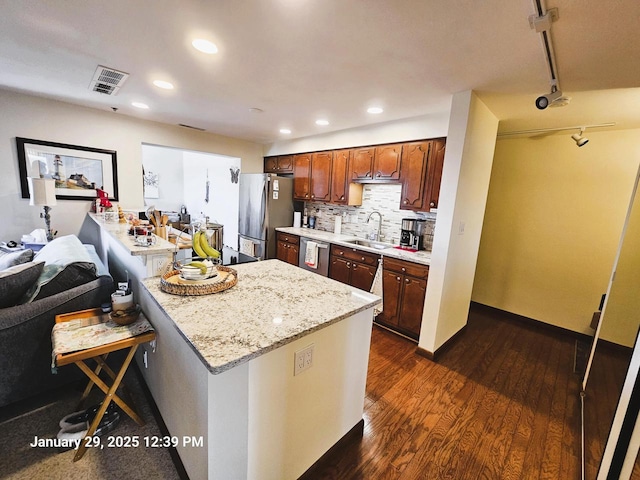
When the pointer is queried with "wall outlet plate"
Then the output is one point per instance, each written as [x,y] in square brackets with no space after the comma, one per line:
[303,359]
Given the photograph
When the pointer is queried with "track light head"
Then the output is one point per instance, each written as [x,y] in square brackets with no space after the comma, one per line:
[579,139]
[544,101]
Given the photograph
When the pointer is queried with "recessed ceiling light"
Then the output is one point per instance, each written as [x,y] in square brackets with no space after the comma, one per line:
[205,46]
[285,130]
[163,84]
[375,110]
[140,105]
[322,122]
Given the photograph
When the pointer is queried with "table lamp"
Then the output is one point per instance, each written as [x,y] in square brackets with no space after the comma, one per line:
[43,194]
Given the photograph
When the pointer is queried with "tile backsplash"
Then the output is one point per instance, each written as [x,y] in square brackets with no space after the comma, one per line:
[384,198]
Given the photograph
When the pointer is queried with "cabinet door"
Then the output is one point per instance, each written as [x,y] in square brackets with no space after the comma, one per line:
[292,254]
[285,164]
[321,176]
[362,163]
[340,269]
[281,251]
[270,164]
[410,318]
[387,162]
[435,174]
[339,176]
[414,166]
[391,291]
[301,174]
[362,276]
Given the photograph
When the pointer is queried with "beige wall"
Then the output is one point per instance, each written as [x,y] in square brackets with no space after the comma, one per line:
[552,225]
[42,119]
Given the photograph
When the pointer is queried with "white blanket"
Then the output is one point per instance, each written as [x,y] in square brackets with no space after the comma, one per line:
[311,254]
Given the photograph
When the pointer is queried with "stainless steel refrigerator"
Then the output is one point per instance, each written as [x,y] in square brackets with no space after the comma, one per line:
[266,202]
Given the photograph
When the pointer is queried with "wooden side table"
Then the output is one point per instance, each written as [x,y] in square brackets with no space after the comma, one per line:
[91,329]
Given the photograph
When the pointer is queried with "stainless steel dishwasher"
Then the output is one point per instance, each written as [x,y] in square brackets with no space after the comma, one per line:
[323,256]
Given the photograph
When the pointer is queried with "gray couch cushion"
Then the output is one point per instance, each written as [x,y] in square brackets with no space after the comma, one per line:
[15,258]
[15,281]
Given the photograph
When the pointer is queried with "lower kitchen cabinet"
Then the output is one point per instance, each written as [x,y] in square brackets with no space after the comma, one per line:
[404,285]
[353,267]
[287,247]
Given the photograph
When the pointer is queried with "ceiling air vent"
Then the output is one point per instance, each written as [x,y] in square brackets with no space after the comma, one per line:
[107,80]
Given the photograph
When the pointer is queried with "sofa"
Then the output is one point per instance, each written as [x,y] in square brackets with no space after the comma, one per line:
[63,277]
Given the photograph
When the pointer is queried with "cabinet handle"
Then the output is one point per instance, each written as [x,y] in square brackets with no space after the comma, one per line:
[363,259]
[340,252]
[306,194]
[378,174]
[406,280]
[355,265]
[398,278]
[348,265]
[406,201]
[341,197]
[432,204]
[313,196]
[404,269]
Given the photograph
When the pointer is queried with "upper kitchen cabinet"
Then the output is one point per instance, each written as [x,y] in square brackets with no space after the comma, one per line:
[279,164]
[342,191]
[435,173]
[381,163]
[414,168]
[301,176]
[320,176]
[421,173]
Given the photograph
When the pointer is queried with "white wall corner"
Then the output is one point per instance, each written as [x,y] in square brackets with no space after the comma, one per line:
[465,184]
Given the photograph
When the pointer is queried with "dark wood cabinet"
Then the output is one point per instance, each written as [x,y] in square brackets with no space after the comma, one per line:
[435,173]
[343,192]
[301,177]
[279,164]
[381,163]
[362,163]
[404,285]
[386,165]
[287,247]
[320,176]
[414,168]
[353,267]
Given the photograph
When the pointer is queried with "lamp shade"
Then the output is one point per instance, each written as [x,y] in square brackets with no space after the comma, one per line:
[42,191]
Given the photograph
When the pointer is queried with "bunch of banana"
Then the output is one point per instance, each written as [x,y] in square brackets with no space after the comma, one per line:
[201,246]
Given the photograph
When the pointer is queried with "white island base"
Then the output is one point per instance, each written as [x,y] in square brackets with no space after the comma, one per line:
[258,420]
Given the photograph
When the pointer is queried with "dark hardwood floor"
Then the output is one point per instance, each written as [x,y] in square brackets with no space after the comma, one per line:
[501,403]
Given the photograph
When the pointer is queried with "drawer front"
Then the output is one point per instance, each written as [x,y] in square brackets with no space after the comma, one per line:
[355,254]
[408,268]
[287,238]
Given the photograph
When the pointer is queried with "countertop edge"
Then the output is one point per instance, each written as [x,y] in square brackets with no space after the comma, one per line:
[343,240]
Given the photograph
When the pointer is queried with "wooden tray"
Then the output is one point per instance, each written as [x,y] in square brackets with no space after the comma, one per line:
[171,282]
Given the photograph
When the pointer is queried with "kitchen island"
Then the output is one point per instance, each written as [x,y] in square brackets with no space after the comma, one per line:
[223,370]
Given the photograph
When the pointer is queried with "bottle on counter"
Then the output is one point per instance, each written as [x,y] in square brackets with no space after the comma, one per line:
[304,218]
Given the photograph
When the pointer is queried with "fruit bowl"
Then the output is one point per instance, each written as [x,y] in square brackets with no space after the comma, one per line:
[125,317]
[197,269]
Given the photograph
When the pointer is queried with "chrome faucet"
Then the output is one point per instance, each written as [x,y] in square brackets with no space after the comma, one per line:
[378,235]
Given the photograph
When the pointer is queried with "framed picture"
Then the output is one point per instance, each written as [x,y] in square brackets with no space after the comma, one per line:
[77,170]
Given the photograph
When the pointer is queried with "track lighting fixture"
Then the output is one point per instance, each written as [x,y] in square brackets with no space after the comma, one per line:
[544,101]
[579,139]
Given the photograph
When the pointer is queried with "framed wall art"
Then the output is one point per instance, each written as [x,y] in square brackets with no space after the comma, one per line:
[77,170]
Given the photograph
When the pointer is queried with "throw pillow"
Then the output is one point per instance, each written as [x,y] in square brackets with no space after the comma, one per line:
[16,280]
[15,258]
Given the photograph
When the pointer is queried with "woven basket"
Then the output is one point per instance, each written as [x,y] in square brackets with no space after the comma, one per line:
[171,282]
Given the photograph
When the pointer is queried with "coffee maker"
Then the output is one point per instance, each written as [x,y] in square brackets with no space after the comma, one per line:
[407,235]
[418,234]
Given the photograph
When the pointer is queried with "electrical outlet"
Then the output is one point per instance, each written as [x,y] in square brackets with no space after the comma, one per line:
[303,360]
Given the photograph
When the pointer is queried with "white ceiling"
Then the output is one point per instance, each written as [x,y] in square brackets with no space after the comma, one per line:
[299,60]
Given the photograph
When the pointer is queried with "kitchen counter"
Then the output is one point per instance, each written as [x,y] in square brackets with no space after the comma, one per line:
[256,316]
[421,257]
[224,369]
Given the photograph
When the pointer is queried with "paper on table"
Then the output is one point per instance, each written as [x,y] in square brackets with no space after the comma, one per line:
[311,254]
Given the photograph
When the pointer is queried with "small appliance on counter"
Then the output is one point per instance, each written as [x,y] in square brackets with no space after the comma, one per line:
[407,232]
[418,234]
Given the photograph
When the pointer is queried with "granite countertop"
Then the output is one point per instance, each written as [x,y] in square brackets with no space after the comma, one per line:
[421,257]
[120,231]
[273,304]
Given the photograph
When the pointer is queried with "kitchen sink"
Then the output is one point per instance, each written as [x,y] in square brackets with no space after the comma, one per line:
[371,244]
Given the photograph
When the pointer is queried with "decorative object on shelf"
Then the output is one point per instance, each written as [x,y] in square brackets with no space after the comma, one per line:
[125,317]
[172,282]
[43,194]
[77,171]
